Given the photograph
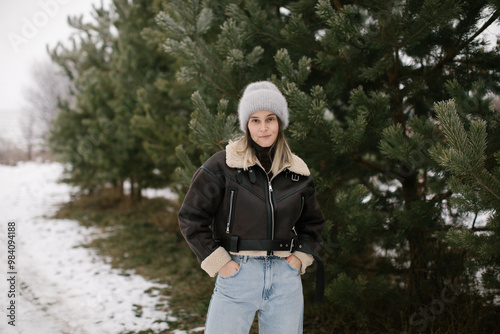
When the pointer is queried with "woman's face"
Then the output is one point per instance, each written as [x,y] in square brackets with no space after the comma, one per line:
[264,127]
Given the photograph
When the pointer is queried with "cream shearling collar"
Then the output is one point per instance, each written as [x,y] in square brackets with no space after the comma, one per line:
[234,159]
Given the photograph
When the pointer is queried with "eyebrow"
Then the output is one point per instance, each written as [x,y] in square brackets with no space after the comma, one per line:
[271,114]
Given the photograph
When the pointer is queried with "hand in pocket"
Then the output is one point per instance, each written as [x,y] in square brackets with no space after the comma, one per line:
[294,261]
[229,269]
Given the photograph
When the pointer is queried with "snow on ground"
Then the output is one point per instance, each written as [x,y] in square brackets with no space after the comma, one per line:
[61,287]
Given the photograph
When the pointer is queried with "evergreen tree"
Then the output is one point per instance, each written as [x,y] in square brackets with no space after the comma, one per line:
[128,117]
[136,65]
[80,135]
[162,109]
[472,158]
[361,80]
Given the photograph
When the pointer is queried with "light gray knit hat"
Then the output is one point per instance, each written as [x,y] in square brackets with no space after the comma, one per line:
[262,95]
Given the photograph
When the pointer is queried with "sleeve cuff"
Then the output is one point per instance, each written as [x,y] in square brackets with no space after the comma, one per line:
[307,260]
[215,261]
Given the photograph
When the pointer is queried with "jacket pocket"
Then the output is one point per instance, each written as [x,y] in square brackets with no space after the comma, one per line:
[231,204]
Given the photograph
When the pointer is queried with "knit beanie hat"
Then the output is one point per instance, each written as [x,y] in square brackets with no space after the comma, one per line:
[262,95]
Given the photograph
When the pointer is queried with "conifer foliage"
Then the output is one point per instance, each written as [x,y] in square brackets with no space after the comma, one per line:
[361,79]
[390,106]
[475,184]
[128,118]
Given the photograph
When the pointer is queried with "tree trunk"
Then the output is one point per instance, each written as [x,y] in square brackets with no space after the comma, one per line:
[416,241]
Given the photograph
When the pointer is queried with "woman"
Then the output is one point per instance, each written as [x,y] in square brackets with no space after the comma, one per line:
[251,216]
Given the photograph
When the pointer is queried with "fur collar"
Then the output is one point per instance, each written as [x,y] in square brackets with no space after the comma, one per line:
[234,159]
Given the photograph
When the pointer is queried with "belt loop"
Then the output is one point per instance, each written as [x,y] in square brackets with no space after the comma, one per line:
[233,244]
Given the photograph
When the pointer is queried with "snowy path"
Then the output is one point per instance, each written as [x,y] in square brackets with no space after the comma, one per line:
[62,288]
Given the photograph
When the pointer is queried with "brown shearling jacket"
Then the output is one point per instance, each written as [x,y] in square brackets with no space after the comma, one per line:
[226,201]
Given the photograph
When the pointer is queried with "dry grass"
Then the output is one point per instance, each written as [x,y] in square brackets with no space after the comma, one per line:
[145,237]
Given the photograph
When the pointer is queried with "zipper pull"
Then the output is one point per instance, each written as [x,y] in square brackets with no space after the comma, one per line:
[270,187]
[294,231]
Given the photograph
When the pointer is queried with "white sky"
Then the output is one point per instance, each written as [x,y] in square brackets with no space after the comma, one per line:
[26,28]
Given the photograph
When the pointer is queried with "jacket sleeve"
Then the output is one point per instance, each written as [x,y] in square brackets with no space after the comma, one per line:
[195,218]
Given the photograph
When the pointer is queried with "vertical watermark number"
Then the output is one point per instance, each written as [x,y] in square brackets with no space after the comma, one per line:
[11,273]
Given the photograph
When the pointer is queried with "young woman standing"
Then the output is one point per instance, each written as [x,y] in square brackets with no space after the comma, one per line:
[251,216]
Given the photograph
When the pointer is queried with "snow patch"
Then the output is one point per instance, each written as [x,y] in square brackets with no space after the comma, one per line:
[63,287]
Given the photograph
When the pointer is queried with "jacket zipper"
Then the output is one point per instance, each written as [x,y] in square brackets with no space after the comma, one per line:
[270,187]
[228,226]
[272,208]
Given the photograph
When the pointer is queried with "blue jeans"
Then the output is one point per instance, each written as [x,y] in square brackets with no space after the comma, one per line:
[267,285]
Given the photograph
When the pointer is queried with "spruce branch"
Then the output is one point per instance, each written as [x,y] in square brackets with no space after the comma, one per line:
[438,198]
[453,52]
[461,156]
[211,132]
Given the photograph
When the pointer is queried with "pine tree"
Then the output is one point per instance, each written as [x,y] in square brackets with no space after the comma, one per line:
[80,135]
[474,180]
[128,116]
[361,80]
[136,65]
[162,107]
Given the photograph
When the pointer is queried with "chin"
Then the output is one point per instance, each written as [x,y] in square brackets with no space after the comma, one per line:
[265,144]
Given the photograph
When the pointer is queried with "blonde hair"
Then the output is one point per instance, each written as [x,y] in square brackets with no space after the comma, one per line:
[283,156]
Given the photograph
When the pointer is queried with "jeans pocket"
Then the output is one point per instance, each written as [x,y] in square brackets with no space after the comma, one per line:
[292,268]
[235,273]
[231,276]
